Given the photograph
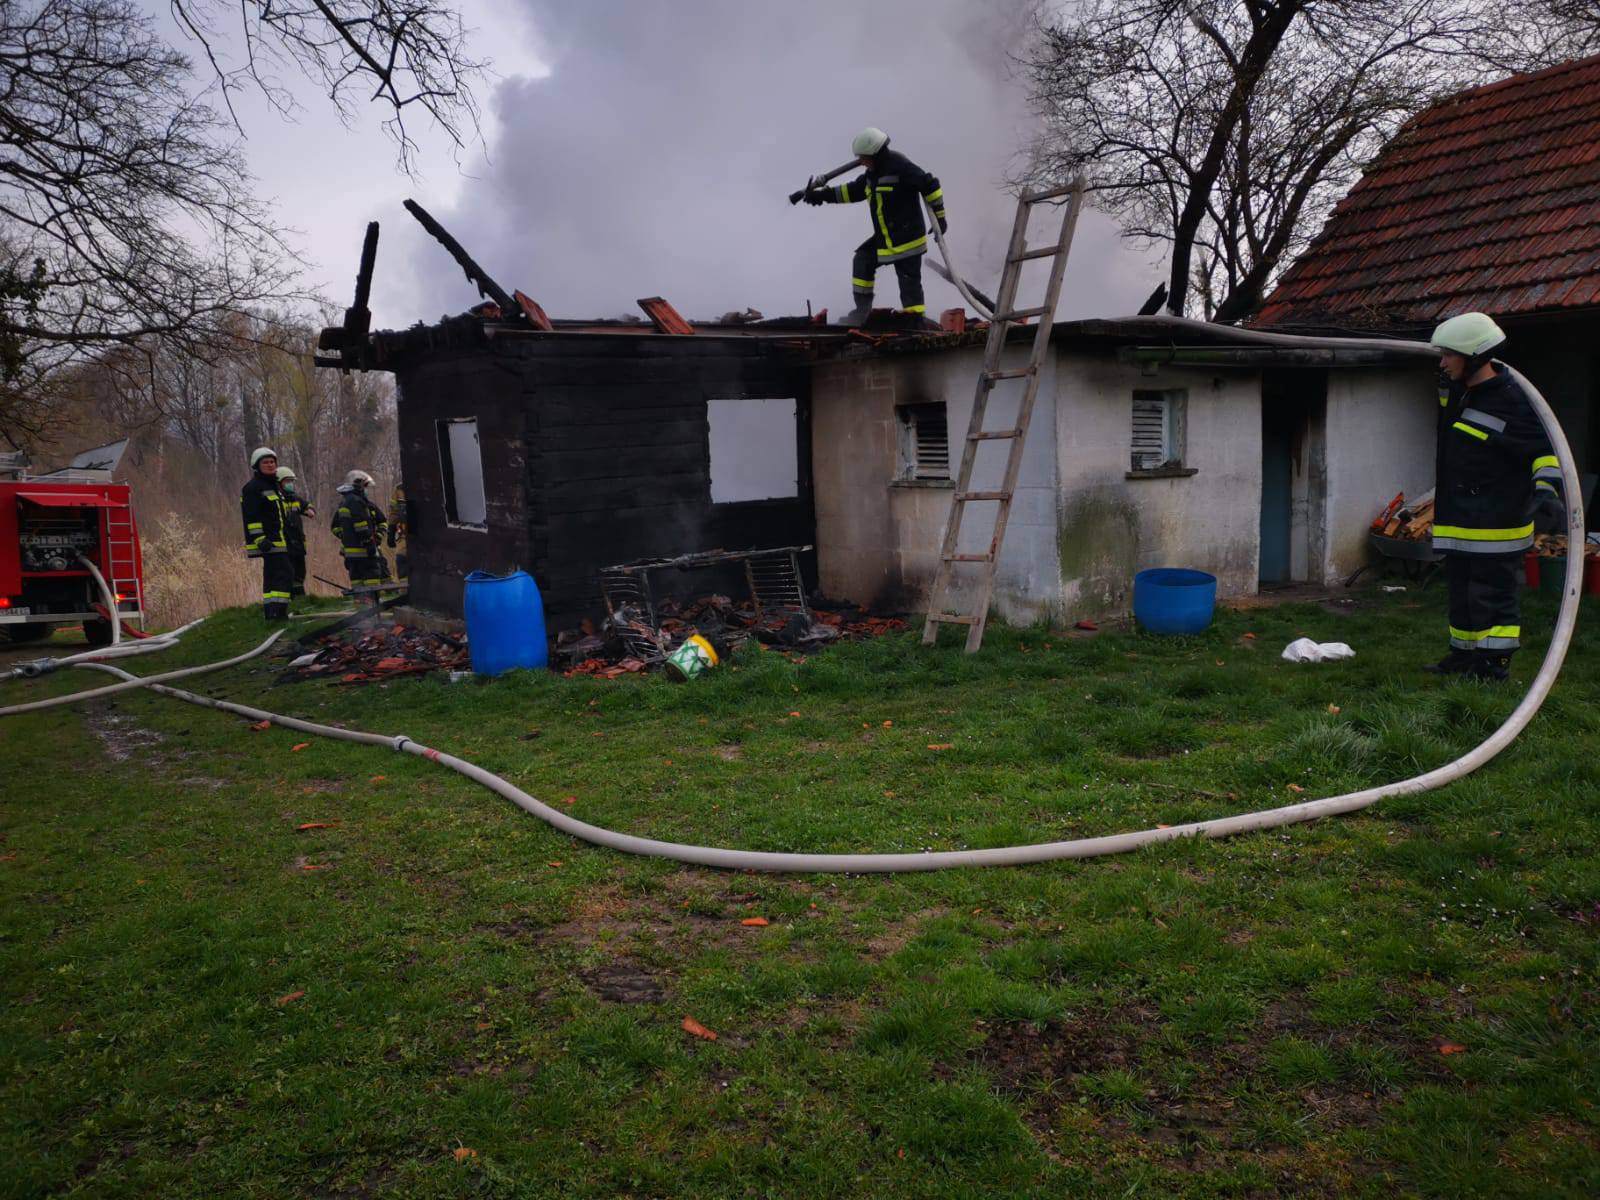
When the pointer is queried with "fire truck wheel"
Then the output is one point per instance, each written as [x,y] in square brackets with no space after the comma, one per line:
[98,632]
[19,634]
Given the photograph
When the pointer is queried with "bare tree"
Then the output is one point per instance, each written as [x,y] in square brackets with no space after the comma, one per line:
[404,55]
[126,216]
[1225,129]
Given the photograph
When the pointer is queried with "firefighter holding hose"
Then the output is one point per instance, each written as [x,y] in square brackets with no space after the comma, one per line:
[1497,481]
[360,527]
[266,532]
[894,188]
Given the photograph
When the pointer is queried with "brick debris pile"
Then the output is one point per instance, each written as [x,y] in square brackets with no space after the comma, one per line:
[627,643]
[366,652]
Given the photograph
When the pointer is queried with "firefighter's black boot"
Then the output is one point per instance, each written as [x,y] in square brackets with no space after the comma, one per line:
[1490,666]
[858,315]
[1457,662]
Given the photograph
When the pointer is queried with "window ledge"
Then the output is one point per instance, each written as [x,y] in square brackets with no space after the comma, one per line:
[922,483]
[1163,473]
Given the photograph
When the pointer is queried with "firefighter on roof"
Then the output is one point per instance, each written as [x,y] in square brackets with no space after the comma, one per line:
[1497,478]
[360,527]
[894,188]
[265,533]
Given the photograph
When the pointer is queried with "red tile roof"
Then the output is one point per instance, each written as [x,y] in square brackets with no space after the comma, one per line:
[1489,200]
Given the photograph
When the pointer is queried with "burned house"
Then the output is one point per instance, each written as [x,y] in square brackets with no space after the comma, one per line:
[566,451]
[569,447]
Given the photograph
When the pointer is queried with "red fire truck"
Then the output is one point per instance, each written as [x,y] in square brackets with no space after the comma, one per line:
[54,528]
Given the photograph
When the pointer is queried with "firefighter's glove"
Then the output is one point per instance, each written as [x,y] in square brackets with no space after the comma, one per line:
[254,549]
[1549,513]
[817,196]
[944,225]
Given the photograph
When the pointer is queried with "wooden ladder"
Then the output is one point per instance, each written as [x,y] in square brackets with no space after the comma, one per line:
[1006,314]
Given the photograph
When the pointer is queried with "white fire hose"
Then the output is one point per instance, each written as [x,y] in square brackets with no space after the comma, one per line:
[1271,818]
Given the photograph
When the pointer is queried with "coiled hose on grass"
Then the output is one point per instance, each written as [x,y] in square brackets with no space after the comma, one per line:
[1006,856]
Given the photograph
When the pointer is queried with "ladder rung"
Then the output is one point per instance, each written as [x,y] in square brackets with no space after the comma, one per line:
[1047,194]
[966,558]
[1010,373]
[983,495]
[990,435]
[951,619]
[1040,252]
[1019,314]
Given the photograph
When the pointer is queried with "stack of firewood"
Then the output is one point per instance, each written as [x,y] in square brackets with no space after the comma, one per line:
[1411,523]
[1554,545]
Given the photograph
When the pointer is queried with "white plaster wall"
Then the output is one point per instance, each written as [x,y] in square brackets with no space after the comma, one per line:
[878,541]
[1382,423]
[1111,527]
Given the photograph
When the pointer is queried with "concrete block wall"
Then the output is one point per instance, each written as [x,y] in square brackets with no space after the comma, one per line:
[1112,527]
[878,538]
[1381,432]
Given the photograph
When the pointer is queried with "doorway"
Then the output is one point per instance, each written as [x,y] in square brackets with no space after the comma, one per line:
[1293,476]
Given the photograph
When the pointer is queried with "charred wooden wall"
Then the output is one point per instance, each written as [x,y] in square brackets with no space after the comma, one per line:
[595,452]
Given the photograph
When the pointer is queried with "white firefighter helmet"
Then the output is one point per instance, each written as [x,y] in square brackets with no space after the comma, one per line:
[1469,334]
[285,474]
[358,479]
[869,141]
[259,453]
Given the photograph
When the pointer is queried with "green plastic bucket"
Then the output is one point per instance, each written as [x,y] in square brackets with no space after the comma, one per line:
[694,657]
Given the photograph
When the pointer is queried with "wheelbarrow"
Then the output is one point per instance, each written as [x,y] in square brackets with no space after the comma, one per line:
[1417,561]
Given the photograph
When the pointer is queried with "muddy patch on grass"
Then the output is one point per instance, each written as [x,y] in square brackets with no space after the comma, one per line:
[1019,1056]
[623,982]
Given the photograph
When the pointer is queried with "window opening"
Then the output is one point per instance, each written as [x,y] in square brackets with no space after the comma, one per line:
[755,450]
[1158,429]
[461,466]
[924,441]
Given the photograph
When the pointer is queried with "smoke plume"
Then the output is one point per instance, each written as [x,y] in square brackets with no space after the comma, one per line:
[657,156]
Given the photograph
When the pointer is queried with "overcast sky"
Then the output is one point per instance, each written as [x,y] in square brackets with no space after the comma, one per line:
[648,149]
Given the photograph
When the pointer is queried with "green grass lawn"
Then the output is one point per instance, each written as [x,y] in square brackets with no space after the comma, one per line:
[1403,1002]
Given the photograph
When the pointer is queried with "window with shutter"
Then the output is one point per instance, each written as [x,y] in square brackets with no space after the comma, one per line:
[1157,430]
[924,441]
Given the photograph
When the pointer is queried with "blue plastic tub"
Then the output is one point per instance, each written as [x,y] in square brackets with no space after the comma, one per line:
[1174,599]
[505,622]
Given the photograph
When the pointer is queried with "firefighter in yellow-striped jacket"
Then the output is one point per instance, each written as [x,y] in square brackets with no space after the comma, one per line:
[1497,480]
[266,532]
[894,188]
[359,525]
[296,508]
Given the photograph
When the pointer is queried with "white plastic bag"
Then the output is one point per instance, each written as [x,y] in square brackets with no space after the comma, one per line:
[1305,650]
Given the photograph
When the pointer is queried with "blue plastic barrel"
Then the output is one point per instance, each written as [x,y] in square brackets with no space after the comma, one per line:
[505,622]
[1174,599]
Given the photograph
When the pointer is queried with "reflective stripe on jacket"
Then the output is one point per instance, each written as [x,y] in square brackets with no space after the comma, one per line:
[294,510]
[261,507]
[1492,456]
[894,188]
[357,522]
